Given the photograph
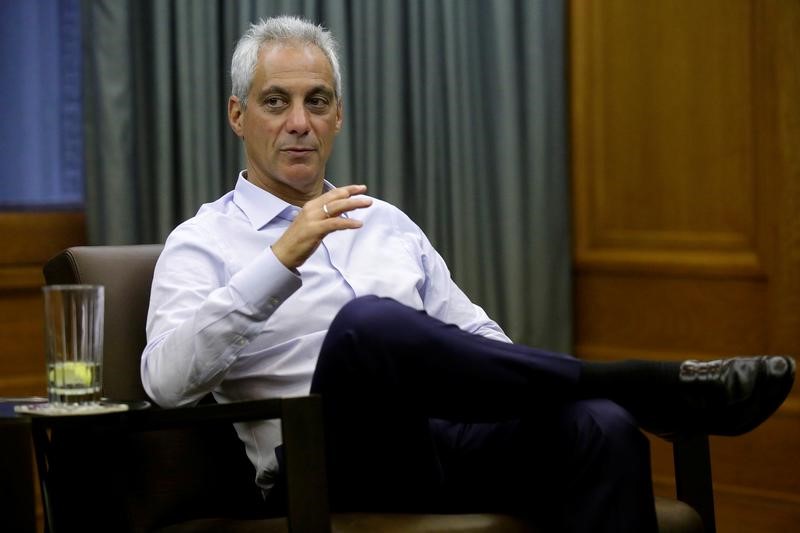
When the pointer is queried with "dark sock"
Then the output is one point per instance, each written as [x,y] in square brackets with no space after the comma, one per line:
[626,381]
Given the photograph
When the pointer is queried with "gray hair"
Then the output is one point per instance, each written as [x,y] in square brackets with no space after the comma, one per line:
[284,30]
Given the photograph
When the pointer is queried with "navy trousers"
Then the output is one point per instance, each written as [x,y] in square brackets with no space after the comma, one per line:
[422,416]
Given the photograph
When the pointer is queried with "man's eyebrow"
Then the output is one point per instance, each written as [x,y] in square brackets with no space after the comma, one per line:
[316,89]
[274,89]
[324,90]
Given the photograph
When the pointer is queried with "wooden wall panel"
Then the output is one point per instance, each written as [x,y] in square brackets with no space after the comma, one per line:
[28,240]
[778,157]
[668,162]
[686,196]
[674,316]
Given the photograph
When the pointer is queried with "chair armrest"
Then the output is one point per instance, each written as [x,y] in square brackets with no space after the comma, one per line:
[301,421]
[693,482]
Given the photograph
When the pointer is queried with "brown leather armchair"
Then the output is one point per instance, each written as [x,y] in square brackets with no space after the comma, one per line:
[185,469]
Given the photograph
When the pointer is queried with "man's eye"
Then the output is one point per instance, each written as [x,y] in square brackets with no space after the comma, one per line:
[273,102]
[318,102]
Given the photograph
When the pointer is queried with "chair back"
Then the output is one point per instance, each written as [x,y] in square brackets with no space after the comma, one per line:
[127,273]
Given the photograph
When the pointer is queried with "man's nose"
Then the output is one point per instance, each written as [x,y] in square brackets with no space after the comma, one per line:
[297,122]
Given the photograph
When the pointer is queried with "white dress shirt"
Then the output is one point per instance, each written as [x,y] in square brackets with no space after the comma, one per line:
[227,317]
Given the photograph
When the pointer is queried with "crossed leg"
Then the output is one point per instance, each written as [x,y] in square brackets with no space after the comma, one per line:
[420,415]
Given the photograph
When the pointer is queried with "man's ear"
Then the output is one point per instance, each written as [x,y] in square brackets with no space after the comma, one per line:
[236,116]
[339,115]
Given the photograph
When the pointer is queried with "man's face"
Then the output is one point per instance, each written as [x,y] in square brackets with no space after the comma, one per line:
[290,122]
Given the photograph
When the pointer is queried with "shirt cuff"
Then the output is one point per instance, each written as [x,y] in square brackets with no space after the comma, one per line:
[265,283]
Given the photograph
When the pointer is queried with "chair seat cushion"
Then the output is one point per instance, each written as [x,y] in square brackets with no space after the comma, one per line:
[368,523]
[673,517]
[413,523]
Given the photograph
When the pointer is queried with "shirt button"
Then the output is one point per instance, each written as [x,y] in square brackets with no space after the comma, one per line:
[274,301]
[241,341]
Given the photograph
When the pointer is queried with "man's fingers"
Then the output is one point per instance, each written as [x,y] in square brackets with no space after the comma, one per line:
[340,223]
[337,207]
[338,193]
[347,190]
[340,200]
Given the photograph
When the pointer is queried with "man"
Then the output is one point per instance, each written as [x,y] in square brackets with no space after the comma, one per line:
[288,285]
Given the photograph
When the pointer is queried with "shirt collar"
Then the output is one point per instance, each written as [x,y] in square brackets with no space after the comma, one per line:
[259,206]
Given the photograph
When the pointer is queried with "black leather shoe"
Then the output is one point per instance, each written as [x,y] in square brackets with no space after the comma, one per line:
[723,397]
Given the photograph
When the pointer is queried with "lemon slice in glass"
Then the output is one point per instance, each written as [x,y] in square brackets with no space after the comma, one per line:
[73,373]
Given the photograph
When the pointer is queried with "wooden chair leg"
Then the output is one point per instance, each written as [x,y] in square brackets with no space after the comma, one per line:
[17,503]
[305,465]
[693,480]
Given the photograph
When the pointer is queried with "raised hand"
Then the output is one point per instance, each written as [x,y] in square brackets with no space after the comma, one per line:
[318,218]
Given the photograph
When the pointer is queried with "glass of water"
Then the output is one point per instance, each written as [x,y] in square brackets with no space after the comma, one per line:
[73,323]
